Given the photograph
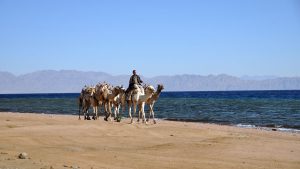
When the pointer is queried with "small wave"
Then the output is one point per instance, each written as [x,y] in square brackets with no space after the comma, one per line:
[289,130]
[186,120]
[246,126]
[269,128]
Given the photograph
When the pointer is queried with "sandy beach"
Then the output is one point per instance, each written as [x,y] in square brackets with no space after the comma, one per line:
[63,141]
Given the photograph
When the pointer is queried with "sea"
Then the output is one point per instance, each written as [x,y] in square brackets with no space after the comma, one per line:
[278,110]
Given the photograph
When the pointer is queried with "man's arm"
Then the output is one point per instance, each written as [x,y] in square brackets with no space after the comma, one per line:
[139,79]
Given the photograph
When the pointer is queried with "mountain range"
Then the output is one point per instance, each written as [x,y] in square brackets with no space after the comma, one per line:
[71,81]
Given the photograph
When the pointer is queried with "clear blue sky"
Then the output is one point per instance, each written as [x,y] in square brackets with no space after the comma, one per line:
[236,37]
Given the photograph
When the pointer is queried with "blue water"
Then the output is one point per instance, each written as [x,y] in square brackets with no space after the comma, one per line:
[258,108]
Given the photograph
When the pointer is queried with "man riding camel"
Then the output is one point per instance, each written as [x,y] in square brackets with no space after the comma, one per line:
[134,79]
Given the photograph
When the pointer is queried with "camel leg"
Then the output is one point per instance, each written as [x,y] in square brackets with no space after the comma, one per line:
[109,110]
[96,112]
[87,114]
[100,110]
[140,111]
[123,109]
[134,108]
[79,113]
[138,120]
[152,112]
[106,111]
[115,112]
[84,114]
[143,112]
[122,106]
[119,106]
[129,111]
[149,117]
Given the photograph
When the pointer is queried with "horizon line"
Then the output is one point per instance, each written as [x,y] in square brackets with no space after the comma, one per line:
[166,91]
[182,74]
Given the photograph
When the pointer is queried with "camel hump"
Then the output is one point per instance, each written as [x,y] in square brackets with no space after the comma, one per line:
[138,88]
[135,86]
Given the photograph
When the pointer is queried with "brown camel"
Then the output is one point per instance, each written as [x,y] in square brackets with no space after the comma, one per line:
[109,93]
[119,102]
[98,99]
[84,101]
[152,100]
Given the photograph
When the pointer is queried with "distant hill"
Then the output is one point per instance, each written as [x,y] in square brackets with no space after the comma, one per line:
[65,81]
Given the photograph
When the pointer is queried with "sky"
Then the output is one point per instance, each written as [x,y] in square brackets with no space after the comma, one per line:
[157,37]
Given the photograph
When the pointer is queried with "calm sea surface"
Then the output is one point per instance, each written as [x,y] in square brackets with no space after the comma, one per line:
[254,108]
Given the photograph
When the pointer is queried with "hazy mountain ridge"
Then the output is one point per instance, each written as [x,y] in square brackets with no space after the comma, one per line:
[51,81]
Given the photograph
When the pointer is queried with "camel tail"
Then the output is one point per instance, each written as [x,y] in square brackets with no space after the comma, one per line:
[79,106]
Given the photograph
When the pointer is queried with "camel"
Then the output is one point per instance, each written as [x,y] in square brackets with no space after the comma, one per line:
[139,97]
[98,98]
[109,94]
[84,101]
[119,102]
[151,101]
[95,103]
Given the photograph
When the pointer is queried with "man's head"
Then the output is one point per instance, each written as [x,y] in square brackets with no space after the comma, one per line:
[134,72]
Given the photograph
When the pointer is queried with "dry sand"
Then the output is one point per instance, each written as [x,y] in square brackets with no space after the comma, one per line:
[61,141]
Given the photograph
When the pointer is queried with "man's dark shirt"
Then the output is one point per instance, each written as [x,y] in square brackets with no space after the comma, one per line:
[135,79]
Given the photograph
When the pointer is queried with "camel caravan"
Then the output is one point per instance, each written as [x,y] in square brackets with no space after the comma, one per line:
[114,98]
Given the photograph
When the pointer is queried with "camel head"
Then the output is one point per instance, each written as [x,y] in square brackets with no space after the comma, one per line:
[110,87]
[116,90]
[90,90]
[104,88]
[93,91]
[160,87]
[122,90]
[149,89]
[145,86]
[100,86]
[99,89]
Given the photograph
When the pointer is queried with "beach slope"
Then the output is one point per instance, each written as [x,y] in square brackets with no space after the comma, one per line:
[62,141]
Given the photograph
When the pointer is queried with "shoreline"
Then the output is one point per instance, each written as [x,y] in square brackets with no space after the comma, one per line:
[250,126]
[63,141]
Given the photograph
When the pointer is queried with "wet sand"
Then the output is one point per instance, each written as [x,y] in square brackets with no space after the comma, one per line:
[62,141]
